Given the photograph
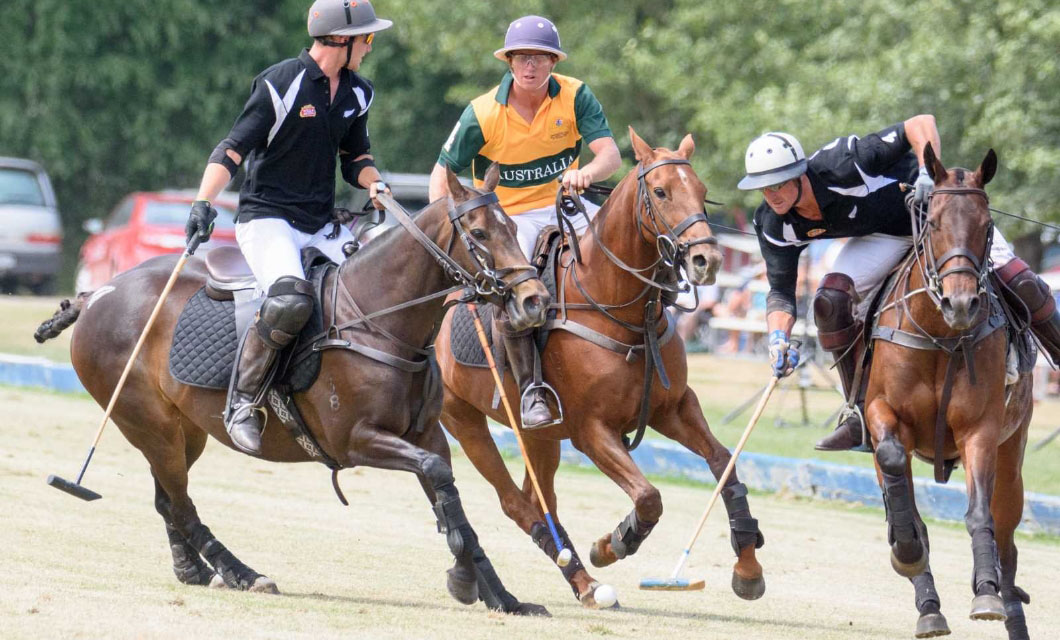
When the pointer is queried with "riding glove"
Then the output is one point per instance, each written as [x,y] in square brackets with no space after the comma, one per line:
[200,220]
[783,356]
[923,187]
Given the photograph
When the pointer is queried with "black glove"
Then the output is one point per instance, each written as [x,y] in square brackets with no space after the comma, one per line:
[200,221]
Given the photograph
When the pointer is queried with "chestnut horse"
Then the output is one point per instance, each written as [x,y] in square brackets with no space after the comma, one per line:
[937,388]
[360,410]
[653,221]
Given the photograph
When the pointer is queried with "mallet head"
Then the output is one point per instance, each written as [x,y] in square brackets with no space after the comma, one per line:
[73,489]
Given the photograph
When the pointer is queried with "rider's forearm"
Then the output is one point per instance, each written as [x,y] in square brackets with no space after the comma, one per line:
[781,320]
[437,187]
[606,159]
[215,178]
[920,130]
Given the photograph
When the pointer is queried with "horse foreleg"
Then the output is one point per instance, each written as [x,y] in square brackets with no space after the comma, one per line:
[1007,509]
[375,447]
[979,453]
[689,427]
[908,554]
[604,447]
[926,598]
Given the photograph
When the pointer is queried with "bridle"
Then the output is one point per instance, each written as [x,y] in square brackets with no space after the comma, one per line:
[932,267]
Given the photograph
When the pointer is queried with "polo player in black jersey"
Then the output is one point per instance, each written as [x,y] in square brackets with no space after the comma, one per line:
[851,188]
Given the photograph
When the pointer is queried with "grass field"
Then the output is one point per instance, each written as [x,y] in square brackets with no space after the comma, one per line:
[376,569]
[721,384]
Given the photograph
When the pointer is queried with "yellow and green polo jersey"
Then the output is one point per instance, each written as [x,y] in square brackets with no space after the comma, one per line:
[532,156]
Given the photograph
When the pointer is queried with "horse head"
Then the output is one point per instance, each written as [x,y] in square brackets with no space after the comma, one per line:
[957,238]
[491,252]
[671,196]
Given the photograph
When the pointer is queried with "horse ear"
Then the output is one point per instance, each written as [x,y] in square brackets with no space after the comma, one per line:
[641,150]
[456,190]
[935,168]
[493,176]
[687,147]
[988,168]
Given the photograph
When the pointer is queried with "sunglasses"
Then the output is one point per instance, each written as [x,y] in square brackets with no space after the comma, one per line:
[368,38]
[773,188]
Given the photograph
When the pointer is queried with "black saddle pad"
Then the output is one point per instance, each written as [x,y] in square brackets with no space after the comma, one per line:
[463,339]
[204,346]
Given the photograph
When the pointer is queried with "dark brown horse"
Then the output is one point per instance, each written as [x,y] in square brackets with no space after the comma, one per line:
[651,224]
[939,329]
[360,410]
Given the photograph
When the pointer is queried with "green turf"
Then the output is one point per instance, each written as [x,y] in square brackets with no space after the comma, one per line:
[20,317]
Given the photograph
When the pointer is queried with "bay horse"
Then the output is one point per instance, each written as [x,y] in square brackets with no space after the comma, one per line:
[653,221]
[937,389]
[361,410]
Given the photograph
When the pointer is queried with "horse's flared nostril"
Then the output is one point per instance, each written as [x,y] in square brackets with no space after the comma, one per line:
[699,262]
[946,305]
[533,305]
[973,307]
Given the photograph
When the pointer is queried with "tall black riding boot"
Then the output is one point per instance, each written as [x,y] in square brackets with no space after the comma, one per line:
[522,350]
[1028,295]
[284,312]
[837,332]
[244,423]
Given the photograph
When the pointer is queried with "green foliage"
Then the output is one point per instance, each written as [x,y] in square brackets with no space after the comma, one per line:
[134,94]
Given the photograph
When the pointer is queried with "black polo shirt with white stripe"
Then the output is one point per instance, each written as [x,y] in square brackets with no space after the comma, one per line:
[289,135]
[856,184]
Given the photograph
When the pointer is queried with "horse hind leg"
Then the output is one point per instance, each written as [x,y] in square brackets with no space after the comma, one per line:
[188,565]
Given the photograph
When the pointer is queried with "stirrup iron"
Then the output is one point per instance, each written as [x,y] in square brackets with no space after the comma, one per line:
[549,391]
[855,411]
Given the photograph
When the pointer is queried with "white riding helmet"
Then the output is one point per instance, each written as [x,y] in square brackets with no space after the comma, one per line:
[772,158]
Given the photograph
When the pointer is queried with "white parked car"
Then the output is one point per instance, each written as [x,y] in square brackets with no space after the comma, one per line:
[31,235]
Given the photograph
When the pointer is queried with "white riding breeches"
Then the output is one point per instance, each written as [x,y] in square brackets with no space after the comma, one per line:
[273,248]
[530,223]
[868,260]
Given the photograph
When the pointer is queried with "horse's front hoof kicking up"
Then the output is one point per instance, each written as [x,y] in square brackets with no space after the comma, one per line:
[988,607]
[748,589]
[906,563]
[462,585]
[600,554]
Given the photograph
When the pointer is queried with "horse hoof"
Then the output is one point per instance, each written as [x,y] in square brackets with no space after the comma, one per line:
[217,582]
[600,596]
[464,591]
[264,584]
[988,607]
[932,625]
[530,609]
[909,569]
[599,557]
[752,589]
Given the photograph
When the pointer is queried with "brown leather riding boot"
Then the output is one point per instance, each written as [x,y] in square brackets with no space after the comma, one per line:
[848,434]
[244,419]
[1030,299]
[534,404]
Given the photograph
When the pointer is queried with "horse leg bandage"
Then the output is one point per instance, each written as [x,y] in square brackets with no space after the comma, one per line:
[744,529]
[901,521]
[628,536]
[543,539]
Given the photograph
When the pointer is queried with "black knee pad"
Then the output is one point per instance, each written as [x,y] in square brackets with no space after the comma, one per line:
[285,311]
[833,311]
[1026,289]
[891,455]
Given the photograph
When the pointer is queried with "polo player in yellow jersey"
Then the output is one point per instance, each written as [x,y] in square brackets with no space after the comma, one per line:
[533,123]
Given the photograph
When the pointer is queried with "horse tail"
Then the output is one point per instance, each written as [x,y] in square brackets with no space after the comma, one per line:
[66,315]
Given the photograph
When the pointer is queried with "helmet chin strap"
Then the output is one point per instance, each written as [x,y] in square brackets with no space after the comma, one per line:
[349,51]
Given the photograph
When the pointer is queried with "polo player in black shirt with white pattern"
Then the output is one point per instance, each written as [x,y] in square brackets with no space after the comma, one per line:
[851,188]
[301,114]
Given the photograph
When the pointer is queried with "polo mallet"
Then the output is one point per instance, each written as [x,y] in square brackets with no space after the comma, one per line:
[564,557]
[75,488]
[674,583]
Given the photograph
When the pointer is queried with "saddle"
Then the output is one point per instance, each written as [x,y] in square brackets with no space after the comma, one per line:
[207,334]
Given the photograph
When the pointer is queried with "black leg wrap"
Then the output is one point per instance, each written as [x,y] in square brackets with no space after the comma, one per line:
[187,564]
[986,570]
[926,596]
[1016,623]
[541,536]
[901,523]
[743,528]
[627,536]
[235,573]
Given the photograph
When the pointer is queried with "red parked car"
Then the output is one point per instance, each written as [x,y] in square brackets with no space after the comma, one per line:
[142,226]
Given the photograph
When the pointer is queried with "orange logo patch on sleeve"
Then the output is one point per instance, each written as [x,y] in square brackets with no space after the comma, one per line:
[308,111]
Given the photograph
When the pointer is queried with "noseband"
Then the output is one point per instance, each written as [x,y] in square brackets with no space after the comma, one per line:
[488,281]
[933,266]
[671,250]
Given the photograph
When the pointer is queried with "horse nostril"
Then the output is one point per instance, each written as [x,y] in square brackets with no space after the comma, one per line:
[973,307]
[947,306]
[699,262]
[532,305]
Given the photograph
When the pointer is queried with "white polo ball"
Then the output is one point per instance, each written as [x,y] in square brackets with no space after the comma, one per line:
[564,557]
[605,596]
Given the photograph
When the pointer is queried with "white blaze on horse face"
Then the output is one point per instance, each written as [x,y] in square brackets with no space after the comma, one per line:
[500,216]
[97,294]
[684,176]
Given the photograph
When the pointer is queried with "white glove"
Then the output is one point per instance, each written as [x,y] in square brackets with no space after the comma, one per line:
[923,187]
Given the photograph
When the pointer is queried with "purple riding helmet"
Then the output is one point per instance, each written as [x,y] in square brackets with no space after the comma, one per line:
[531,32]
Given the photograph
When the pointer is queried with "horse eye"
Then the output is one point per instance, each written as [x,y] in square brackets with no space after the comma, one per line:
[478,234]
[659,193]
